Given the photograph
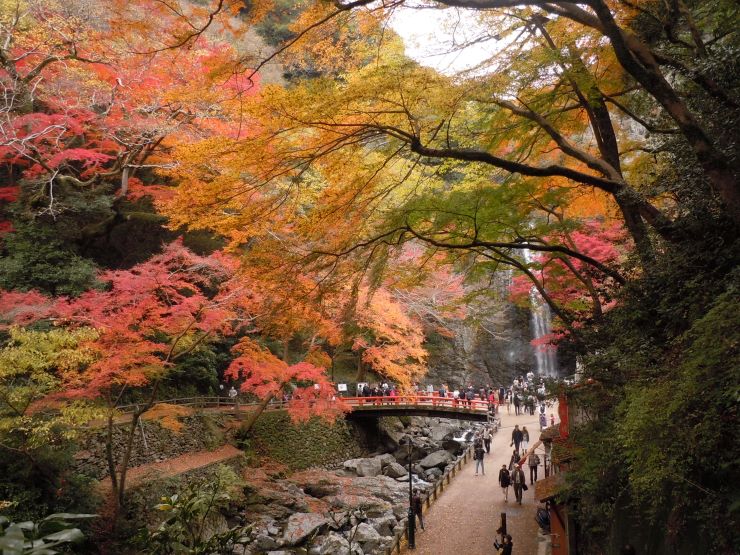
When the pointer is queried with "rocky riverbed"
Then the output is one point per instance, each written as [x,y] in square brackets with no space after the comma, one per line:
[357,507]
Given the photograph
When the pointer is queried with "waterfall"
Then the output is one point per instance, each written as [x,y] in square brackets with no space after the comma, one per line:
[541,322]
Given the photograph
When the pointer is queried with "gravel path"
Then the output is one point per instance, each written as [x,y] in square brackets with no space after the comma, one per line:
[465,517]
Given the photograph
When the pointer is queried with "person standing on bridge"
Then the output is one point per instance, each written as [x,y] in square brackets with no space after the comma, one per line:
[504,480]
[516,437]
[233,394]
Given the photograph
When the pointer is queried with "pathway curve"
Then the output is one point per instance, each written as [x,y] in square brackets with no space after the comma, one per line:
[465,518]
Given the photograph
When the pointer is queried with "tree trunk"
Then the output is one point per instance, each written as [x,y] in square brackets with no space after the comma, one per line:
[361,371]
[256,413]
[127,456]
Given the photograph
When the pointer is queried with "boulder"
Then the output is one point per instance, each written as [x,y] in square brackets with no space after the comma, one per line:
[433,474]
[386,459]
[404,478]
[351,464]
[401,510]
[394,470]
[266,543]
[384,525]
[369,467]
[322,489]
[335,544]
[366,536]
[437,459]
[302,525]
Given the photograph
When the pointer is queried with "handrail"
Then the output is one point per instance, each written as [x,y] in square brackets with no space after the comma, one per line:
[430,497]
[474,405]
[434,401]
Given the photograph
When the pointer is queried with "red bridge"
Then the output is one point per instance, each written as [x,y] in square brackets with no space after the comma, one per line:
[420,405]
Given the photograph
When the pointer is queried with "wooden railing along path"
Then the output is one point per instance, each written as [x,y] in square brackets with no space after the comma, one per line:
[401,538]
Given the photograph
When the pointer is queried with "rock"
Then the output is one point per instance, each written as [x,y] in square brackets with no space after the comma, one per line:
[273,530]
[384,525]
[394,470]
[433,474]
[266,543]
[386,459]
[438,458]
[301,525]
[322,489]
[336,544]
[400,510]
[366,536]
[404,478]
[351,464]
[368,467]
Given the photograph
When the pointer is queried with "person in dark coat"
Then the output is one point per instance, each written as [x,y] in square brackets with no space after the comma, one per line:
[518,481]
[508,545]
[417,506]
[516,437]
[504,480]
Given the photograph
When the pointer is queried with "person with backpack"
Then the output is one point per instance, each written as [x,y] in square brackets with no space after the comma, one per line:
[504,480]
[534,462]
[478,454]
[518,480]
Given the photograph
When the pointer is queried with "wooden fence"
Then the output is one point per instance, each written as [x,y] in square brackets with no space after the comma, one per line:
[401,538]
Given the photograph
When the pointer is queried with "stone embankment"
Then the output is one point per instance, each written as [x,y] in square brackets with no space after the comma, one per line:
[356,509]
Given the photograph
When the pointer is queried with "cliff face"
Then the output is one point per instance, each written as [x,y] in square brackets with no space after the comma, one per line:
[492,349]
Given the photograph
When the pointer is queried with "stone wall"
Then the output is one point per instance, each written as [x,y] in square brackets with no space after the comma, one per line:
[308,444]
[152,443]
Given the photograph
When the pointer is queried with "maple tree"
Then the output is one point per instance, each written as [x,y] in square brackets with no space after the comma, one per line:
[388,340]
[268,377]
[147,319]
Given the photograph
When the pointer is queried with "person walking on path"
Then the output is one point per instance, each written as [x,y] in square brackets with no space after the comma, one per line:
[504,480]
[534,462]
[518,480]
[543,421]
[516,437]
[417,505]
[478,456]
[517,403]
[513,460]
[487,439]
[525,437]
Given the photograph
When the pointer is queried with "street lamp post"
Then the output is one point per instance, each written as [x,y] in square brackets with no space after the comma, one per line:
[412,516]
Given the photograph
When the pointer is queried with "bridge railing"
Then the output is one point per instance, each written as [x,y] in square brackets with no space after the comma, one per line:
[424,401]
[475,405]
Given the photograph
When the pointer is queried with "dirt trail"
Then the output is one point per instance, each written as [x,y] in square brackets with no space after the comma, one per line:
[465,518]
[174,466]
